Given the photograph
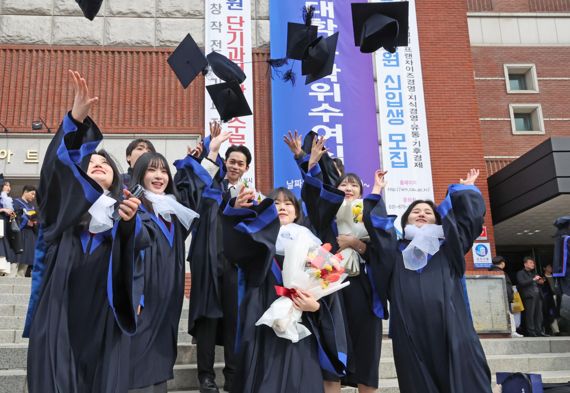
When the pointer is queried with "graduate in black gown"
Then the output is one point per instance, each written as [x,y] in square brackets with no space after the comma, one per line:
[28,220]
[364,308]
[266,362]
[436,348]
[168,221]
[86,283]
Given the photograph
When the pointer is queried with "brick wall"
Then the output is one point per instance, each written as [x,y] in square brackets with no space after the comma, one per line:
[553,83]
[518,5]
[450,95]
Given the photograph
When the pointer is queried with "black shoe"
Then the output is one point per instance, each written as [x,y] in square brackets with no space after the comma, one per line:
[208,385]
[531,335]
[227,387]
[543,335]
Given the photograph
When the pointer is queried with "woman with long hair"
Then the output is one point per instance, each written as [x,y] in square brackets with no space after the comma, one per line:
[436,348]
[168,222]
[85,292]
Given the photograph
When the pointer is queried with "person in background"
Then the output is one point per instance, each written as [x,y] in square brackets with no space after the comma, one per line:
[551,306]
[499,264]
[528,284]
[28,220]
[135,149]
[6,215]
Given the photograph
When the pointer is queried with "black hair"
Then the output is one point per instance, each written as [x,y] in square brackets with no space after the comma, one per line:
[156,160]
[404,219]
[288,196]
[28,188]
[117,184]
[132,146]
[339,166]
[352,178]
[528,258]
[239,149]
[498,260]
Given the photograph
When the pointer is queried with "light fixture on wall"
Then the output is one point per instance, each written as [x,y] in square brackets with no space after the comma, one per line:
[39,124]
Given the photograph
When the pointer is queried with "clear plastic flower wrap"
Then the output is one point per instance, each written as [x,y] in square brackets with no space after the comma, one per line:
[349,222]
[307,266]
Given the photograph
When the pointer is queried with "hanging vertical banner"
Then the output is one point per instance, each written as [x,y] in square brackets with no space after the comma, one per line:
[228,31]
[341,106]
[403,125]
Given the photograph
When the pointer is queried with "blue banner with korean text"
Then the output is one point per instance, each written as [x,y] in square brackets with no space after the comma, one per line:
[341,106]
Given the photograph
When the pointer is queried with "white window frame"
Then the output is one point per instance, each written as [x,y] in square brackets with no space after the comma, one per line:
[529,70]
[537,118]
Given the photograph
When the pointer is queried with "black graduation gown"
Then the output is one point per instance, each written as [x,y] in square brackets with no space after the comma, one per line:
[154,347]
[204,195]
[5,248]
[85,288]
[436,348]
[364,308]
[267,363]
[28,233]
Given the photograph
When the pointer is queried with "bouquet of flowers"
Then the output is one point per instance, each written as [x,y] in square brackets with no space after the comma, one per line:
[349,222]
[307,266]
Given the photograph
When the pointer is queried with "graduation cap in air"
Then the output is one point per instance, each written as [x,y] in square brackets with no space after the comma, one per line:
[379,25]
[224,68]
[187,61]
[229,100]
[300,35]
[318,60]
[90,8]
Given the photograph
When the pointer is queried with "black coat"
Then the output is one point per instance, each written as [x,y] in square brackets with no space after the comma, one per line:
[508,283]
[528,288]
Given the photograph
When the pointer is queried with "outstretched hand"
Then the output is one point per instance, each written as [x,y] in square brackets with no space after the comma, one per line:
[472,175]
[218,140]
[379,181]
[129,206]
[82,102]
[197,151]
[215,128]
[294,142]
[317,150]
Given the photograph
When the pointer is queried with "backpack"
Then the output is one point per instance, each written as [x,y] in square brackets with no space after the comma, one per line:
[520,383]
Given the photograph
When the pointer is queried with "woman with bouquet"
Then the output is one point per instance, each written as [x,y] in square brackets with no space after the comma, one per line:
[268,363]
[85,291]
[436,348]
[335,212]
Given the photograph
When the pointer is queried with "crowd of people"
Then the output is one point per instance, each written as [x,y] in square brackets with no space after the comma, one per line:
[109,272]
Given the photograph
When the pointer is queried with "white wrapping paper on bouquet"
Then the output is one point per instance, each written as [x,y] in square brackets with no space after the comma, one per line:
[296,242]
[349,222]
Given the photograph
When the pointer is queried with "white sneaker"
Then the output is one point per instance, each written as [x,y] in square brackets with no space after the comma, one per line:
[516,335]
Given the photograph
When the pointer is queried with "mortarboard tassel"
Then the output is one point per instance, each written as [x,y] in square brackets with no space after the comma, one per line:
[308,14]
[289,76]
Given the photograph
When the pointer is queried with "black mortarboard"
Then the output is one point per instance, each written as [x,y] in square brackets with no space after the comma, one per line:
[379,25]
[224,68]
[318,60]
[229,100]
[90,8]
[300,35]
[187,61]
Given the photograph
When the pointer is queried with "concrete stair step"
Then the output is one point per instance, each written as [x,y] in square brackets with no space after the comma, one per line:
[19,299]
[11,310]
[15,280]
[11,288]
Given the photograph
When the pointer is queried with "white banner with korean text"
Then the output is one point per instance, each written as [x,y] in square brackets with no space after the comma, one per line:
[228,31]
[403,126]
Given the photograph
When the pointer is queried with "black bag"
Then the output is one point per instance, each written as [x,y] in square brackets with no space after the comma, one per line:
[15,236]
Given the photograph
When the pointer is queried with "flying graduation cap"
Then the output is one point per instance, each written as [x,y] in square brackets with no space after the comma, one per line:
[187,61]
[229,100]
[90,8]
[300,35]
[318,60]
[379,25]
[224,68]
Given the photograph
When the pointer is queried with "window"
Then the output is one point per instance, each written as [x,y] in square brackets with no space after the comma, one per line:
[526,119]
[521,78]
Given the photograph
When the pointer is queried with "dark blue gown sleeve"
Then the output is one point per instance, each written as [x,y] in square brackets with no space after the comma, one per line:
[66,192]
[125,281]
[249,237]
[322,202]
[462,214]
[383,247]
[191,179]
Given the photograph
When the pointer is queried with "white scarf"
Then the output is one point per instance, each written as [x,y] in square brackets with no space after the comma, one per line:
[102,214]
[164,205]
[424,241]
